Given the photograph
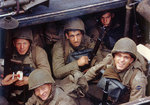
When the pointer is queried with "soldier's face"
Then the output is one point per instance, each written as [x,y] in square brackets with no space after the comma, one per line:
[74,37]
[22,46]
[122,61]
[106,19]
[43,92]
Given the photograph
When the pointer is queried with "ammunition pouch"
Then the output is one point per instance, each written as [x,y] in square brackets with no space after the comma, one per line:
[115,88]
[77,54]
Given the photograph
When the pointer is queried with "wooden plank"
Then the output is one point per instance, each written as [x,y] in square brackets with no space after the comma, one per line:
[144,51]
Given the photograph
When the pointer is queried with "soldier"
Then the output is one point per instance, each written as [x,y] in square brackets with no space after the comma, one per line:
[113,31]
[75,41]
[25,58]
[127,67]
[45,91]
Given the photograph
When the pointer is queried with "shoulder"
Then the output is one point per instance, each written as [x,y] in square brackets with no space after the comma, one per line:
[138,84]
[139,76]
[58,44]
[58,47]
[139,79]
[37,48]
[59,90]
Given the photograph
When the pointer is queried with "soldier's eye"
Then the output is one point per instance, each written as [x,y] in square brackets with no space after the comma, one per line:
[78,34]
[18,44]
[24,43]
[71,36]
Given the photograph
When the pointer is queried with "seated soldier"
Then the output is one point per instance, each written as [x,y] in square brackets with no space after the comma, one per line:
[45,91]
[108,29]
[25,58]
[75,42]
[126,66]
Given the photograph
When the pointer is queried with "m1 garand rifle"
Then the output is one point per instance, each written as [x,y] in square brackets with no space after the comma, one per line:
[98,42]
[105,95]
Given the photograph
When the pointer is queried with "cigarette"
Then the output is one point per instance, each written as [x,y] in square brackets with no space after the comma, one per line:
[13,75]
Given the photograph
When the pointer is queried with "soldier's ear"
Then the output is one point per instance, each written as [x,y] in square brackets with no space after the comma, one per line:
[112,15]
[67,37]
[14,42]
[132,59]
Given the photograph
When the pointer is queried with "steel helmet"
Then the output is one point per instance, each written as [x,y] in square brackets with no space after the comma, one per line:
[39,77]
[23,33]
[125,45]
[75,23]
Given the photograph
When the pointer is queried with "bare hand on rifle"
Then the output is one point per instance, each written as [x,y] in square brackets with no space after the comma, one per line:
[83,61]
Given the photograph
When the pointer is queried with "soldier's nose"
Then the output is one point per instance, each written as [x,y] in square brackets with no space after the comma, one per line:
[75,38]
[105,20]
[21,46]
[41,92]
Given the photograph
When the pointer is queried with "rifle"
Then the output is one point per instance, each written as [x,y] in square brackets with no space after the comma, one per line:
[98,42]
[105,95]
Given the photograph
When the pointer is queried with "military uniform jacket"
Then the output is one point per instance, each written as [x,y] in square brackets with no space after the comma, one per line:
[61,69]
[37,61]
[133,78]
[57,97]
[36,58]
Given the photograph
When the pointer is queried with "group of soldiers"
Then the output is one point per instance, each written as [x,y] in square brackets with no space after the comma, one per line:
[74,81]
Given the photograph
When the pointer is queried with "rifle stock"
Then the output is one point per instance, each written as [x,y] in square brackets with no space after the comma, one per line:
[98,42]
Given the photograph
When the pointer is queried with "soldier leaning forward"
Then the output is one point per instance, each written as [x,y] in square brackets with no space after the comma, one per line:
[127,66]
[76,42]
[25,58]
[45,90]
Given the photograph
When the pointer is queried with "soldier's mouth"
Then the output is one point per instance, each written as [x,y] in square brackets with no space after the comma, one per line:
[44,96]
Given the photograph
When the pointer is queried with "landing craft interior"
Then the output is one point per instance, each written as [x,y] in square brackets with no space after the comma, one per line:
[61,10]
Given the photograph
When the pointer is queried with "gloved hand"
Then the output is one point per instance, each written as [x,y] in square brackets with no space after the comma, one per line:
[92,72]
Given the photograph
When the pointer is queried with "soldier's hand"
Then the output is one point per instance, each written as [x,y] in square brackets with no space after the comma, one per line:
[8,79]
[22,82]
[83,61]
